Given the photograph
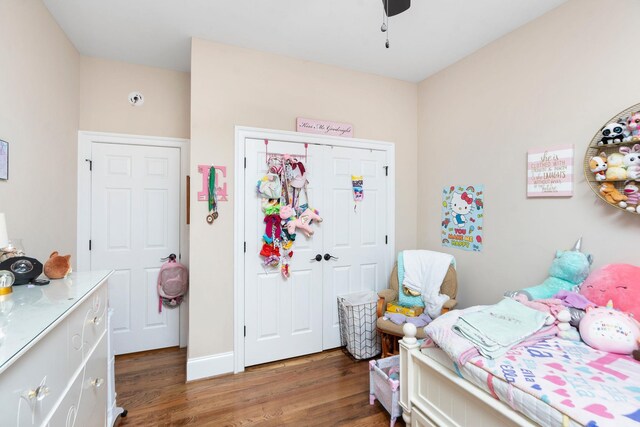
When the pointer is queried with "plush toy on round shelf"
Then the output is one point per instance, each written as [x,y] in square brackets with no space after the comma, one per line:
[598,165]
[612,195]
[615,167]
[619,283]
[631,161]
[633,126]
[609,330]
[632,192]
[613,133]
[568,270]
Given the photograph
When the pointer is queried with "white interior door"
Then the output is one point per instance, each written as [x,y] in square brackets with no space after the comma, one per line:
[356,238]
[283,317]
[291,317]
[135,203]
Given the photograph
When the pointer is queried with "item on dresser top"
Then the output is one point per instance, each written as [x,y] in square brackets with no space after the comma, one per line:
[568,270]
[619,283]
[424,272]
[598,165]
[609,330]
[497,328]
[24,269]
[173,283]
[6,281]
[57,266]
[632,192]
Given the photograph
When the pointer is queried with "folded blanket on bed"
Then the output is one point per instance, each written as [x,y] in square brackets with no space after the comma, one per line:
[497,328]
[440,332]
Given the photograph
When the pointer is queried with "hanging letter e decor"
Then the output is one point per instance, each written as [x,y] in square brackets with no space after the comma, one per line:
[462,217]
[550,172]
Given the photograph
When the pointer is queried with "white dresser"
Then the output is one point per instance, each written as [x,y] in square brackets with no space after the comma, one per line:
[54,356]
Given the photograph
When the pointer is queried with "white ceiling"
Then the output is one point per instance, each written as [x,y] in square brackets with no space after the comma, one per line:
[431,35]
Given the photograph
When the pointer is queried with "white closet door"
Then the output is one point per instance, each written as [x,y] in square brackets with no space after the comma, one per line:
[135,202]
[356,238]
[283,317]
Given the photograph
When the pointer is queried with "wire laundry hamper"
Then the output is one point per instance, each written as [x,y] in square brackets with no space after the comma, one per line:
[357,317]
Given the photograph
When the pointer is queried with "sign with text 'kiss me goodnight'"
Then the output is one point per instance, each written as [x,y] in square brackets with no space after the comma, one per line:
[324,127]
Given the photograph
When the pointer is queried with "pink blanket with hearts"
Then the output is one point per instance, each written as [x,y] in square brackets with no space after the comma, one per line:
[592,387]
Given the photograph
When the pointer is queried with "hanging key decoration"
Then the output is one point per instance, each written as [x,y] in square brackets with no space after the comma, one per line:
[358,193]
[213,202]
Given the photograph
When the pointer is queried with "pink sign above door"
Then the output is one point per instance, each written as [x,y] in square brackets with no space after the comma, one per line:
[324,127]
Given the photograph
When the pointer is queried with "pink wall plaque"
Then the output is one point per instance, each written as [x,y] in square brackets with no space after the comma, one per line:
[550,172]
[324,127]
[221,183]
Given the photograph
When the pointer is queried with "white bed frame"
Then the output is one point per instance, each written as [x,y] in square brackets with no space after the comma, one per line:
[432,395]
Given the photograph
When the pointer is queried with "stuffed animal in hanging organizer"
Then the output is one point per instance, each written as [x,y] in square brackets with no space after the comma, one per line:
[609,330]
[303,222]
[598,165]
[612,195]
[57,266]
[614,133]
[461,204]
[619,283]
[632,192]
[615,167]
[568,270]
[633,126]
[631,161]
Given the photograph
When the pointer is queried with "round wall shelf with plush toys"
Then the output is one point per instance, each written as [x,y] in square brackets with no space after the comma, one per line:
[612,161]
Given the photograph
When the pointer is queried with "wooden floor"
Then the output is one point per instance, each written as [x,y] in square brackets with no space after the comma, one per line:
[325,389]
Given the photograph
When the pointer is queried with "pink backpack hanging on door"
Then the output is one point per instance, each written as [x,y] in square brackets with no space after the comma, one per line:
[173,282]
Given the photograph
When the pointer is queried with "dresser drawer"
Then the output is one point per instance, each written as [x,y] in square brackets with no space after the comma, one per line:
[86,325]
[31,386]
[85,404]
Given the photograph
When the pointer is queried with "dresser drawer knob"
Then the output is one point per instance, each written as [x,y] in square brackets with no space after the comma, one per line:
[39,393]
[97,382]
[96,320]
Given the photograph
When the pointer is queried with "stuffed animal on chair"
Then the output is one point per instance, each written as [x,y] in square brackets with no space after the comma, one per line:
[568,270]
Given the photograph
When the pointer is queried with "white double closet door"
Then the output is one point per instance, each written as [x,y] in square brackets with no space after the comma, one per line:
[298,315]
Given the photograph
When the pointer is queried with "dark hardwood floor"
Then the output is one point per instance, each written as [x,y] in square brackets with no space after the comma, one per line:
[325,389]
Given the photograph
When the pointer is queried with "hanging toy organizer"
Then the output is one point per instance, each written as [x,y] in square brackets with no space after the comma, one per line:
[282,190]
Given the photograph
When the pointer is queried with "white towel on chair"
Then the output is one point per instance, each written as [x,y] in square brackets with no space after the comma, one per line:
[424,272]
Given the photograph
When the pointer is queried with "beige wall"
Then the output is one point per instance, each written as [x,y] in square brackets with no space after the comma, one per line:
[104,107]
[552,82]
[39,118]
[233,86]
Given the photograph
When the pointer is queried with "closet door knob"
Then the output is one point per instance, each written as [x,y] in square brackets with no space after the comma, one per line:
[327,257]
[317,258]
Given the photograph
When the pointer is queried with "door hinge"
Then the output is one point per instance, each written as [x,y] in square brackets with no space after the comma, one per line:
[89,244]
[386,239]
[245,162]
[386,170]
[245,330]
[90,164]
[245,247]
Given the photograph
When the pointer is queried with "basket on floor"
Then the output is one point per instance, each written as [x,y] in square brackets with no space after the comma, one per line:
[383,387]
[357,316]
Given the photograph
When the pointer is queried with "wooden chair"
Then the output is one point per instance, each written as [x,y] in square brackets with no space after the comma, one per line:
[390,333]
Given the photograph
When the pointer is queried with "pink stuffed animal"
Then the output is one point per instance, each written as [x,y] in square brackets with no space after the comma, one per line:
[619,283]
[610,330]
[632,191]
[633,124]
[303,222]
[286,212]
[631,161]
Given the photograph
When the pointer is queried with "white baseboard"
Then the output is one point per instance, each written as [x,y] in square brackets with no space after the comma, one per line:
[209,366]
